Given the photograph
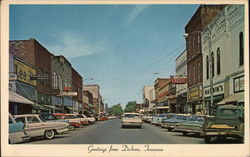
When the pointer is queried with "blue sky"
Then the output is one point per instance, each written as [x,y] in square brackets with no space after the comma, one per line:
[123,47]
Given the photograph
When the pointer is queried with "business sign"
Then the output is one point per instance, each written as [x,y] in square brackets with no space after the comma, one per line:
[68,94]
[24,72]
[179,80]
[217,90]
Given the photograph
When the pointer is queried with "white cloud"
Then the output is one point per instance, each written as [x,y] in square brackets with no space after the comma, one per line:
[74,44]
[135,12]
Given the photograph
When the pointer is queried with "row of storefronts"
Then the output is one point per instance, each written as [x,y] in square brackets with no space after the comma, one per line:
[212,64]
[42,82]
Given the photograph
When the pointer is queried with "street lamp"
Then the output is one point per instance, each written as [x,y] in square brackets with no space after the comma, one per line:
[208,32]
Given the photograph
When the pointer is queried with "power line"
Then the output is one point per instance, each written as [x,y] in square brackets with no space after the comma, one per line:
[154,63]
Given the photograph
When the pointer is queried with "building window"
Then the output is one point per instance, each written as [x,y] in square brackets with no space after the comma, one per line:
[218,62]
[198,72]
[54,80]
[212,60]
[239,84]
[241,48]
[207,65]
[194,76]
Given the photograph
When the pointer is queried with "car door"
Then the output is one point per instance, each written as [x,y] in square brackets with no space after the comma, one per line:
[34,127]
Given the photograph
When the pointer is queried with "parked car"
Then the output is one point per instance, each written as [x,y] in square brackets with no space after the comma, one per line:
[50,117]
[160,118]
[148,118]
[17,133]
[193,124]
[154,119]
[90,118]
[170,124]
[102,118]
[35,126]
[84,120]
[168,116]
[227,122]
[131,119]
[72,120]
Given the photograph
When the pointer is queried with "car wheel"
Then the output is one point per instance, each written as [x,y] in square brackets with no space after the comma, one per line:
[185,133]
[140,127]
[122,126]
[207,139]
[81,126]
[169,129]
[71,127]
[49,134]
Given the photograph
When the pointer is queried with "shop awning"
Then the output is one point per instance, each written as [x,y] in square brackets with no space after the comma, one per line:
[14,97]
[237,97]
[40,107]
[53,107]
[161,107]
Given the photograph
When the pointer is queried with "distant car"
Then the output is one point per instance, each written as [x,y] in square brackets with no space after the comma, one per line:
[131,119]
[72,120]
[83,120]
[171,123]
[102,118]
[193,124]
[154,119]
[148,118]
[35,126]
[17,133]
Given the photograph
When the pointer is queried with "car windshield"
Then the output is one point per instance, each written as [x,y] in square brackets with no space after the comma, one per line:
[181,117]
[131,116]
[48,117]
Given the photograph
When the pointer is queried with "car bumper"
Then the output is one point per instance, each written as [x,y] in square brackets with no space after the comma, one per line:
[131,124]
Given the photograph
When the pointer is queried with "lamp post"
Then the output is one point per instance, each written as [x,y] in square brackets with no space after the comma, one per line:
[207,31]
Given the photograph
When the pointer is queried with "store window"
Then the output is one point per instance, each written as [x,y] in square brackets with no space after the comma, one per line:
[239,84]
[212,60]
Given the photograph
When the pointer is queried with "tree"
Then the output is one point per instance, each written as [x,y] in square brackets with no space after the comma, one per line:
[116,110]
[130,107]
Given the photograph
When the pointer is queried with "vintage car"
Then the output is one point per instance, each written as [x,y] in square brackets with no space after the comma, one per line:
[193,124]
[35,126]
[171,123]
[17,133]
[102,118]
[84,120]
[160,118]
[72,120]
[148,118]
[228,121]
[168,116]
[90,118]
[154,119]
[131,119]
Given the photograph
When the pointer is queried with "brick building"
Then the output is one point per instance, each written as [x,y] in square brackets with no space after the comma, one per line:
[33,53]
[77,87]
[203,15]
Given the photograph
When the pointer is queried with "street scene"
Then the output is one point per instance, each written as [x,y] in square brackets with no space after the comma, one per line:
[127,74]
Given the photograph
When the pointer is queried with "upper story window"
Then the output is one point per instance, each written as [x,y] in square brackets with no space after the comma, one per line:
[194,76]
[212,60]
[241,45]
[218,62]
[207,67]
[198,72]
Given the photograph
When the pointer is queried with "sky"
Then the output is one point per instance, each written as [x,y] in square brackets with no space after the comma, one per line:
[122,47]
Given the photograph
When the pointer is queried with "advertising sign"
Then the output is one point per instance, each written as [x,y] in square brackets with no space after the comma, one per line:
[68,94]
[179,80]
[24,72]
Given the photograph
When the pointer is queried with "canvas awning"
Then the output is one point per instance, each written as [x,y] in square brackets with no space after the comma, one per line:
[237,97]
[14,97]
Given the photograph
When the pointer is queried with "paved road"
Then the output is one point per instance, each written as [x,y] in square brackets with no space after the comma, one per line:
[110,132]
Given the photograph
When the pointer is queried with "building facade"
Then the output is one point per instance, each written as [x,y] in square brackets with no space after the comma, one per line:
[223,46]
[77,87]
[203,15]
[31,52]
[148,98]
[181,89]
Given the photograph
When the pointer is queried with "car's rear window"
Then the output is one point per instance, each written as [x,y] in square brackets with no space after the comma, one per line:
[131,116]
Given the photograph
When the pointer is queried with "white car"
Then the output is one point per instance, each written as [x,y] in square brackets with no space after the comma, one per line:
[17,133]
[131,119]
[89,118]
[35,126]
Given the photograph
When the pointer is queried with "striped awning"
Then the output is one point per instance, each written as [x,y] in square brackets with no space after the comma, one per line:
[14,97]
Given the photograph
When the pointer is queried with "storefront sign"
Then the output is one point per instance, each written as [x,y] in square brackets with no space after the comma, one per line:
[194,93]
[68,94]
[24,72]
[217,90]
[179,80]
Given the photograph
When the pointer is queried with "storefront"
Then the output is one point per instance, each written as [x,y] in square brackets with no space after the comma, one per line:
[18,104]
[195,99]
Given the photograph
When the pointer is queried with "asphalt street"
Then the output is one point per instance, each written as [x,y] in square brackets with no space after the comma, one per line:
[110,132]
